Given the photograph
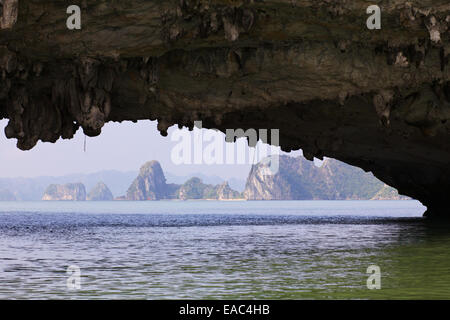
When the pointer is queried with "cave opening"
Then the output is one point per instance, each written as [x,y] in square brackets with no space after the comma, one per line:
[186,154]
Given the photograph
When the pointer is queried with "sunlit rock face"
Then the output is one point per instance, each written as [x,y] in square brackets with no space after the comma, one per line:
[300,179]
[377,99]
[67,192]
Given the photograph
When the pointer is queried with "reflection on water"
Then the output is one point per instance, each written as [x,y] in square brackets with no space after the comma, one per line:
[198,250]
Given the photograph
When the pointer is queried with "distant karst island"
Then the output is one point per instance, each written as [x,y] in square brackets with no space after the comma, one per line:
[77,192]
[151,184]
[300,179]
[296,179]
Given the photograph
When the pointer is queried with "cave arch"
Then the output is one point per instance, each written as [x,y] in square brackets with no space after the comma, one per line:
[377,100]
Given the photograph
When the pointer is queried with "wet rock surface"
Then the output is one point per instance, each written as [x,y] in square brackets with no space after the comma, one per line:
[377,99]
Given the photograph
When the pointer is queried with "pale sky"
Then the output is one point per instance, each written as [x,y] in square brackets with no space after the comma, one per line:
[121,146]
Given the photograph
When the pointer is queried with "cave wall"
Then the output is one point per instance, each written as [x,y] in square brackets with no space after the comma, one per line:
[377,99]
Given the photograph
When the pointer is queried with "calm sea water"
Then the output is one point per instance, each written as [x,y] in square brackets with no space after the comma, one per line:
[232,250]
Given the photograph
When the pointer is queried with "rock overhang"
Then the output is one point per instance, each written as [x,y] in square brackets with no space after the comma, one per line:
[377,99]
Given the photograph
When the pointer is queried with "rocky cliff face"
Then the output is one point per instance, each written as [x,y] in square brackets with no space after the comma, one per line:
[100,192]
[194,188]
[388,193]
[150,184]
[300,179]
[377,99]
[69,192]
[224,192]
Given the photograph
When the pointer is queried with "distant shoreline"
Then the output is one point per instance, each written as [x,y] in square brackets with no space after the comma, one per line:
[204,200]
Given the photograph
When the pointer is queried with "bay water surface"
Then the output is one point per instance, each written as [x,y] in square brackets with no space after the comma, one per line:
[222,250]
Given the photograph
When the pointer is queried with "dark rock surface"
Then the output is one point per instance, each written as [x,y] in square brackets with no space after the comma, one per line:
[377,99]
